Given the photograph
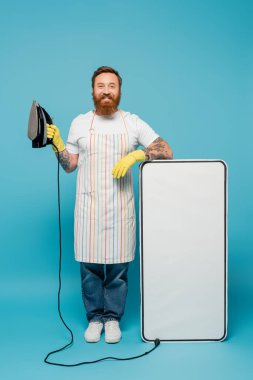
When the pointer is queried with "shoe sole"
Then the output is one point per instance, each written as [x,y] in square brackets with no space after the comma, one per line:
[112,341]
[92,341]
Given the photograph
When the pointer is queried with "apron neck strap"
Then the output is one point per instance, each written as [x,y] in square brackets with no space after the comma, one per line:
[93,117]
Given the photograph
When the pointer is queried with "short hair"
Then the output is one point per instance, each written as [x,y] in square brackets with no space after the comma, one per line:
[105,69]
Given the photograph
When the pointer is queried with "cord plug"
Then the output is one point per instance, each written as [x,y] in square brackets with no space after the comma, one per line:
[157,342]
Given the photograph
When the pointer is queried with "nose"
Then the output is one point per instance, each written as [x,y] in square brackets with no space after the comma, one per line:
[106,90]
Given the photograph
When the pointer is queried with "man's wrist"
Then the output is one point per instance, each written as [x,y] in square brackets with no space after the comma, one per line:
[64,159]
[146,154]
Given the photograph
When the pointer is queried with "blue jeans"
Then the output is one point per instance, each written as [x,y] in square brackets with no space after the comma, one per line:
[104,290]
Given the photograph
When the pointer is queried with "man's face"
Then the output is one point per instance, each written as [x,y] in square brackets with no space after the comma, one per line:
[106,93]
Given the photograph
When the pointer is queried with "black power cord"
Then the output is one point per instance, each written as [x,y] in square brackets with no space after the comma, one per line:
[157,341]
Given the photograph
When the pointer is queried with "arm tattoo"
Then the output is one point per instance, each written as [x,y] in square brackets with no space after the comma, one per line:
[64,159]
[158,149]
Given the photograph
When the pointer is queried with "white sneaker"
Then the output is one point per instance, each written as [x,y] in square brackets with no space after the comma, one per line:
[93,332]
[112,332]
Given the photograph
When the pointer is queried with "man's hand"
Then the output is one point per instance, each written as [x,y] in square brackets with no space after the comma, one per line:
[54,133]
[126,162]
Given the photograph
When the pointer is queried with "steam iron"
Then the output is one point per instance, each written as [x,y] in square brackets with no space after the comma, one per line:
[37,129]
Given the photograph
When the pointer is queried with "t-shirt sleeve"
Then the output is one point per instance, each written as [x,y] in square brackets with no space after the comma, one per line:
[72,145]
[146,135]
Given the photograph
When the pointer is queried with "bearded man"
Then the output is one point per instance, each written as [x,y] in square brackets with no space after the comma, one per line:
[102,144]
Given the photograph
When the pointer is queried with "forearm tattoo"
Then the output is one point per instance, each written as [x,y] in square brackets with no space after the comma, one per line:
[159,149]
[65,159]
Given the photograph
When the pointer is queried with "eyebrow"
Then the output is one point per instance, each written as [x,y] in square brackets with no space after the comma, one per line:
[109,83]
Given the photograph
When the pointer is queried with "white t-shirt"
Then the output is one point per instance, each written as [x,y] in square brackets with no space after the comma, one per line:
[139,132]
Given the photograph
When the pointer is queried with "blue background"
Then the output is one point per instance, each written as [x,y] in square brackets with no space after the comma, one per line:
[187,71]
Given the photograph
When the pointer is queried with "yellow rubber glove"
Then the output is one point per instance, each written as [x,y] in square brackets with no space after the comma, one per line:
[54,133]
[126,162]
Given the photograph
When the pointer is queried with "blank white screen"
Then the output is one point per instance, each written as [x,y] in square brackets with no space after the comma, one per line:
[183,250]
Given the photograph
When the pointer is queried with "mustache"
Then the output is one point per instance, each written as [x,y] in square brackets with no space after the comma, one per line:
[106,97]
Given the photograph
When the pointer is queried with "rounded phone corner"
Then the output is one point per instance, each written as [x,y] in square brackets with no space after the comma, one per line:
[224,164]
[224,336]
[143,337]
[142,164]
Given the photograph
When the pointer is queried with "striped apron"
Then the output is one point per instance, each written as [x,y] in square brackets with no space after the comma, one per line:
[105,219]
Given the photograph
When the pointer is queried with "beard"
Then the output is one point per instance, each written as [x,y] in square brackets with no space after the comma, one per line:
[106,107]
